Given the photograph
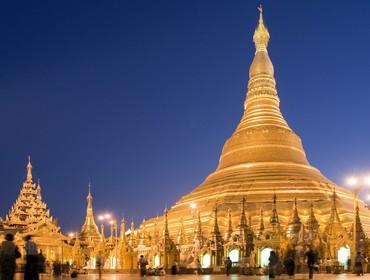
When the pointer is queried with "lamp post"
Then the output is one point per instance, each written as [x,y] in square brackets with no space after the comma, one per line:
[357,185]
[113,226]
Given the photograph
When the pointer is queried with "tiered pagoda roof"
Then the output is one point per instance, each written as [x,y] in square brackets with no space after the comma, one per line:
[29,208]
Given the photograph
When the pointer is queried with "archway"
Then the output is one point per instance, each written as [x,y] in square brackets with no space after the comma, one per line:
[206,261]
[157,261]
[234,255]
[265,254]
[344,254]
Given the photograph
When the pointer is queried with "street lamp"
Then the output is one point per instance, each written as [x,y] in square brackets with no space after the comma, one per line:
[113,226]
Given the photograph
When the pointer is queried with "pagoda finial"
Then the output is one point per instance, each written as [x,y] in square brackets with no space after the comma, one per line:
[261,227]
[89,198]
[229,225]
[261,35]
[29,170]
[216,229]
[165,229]
[274,220]
[295,217]
[123,229]
[243,221]
[313,224]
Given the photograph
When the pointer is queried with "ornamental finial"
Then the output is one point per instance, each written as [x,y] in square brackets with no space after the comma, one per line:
[261,35]
[29,170]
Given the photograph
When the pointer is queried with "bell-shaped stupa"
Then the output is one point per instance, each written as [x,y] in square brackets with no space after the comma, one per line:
[262,158]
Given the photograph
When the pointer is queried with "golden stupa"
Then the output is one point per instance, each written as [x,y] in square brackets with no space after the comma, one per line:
[264,163]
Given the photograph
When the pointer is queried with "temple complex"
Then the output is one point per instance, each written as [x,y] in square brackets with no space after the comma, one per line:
[29,215]
[264,195]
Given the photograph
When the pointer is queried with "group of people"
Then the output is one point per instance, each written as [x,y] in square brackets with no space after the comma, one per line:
[159,271]
[9,252]
[274,267]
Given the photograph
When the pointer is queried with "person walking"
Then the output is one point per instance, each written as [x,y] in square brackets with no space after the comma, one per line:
[31,270]
[228,263]
[289,264]
[142,263]
[8,254]
[273,260]
[99,264]
[359,261]
[311,260]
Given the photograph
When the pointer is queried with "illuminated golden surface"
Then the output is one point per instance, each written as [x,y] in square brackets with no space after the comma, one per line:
[264,157]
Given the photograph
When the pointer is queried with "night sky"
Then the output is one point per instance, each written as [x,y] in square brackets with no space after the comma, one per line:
[138,97]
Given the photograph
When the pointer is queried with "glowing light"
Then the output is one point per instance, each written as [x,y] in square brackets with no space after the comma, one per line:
[367,181]
[265,255]
[234,255]
[100,217]
[352,181]
[111,222]
[107,216]
[206,261]
[71,234]
[193,205]
[343,256]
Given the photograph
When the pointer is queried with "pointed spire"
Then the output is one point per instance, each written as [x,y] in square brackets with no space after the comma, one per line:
[312,223]
[274,220]
[261,227]
[181,234]
[295,217]
[89,228]
[229,230]
[242,220]
[216,229]
[198,230]
[334,217]
[29,170]
[89,198]
[261,35]
[123,229]
[165,223]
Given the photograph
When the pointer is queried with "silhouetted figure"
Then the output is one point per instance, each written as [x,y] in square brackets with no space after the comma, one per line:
[174,268]
[41,262]
[99,264]
[31,270]
[142,263]
[359,261]
[289,265]
[311,260]
[8,253]
[228,263]
[273,261]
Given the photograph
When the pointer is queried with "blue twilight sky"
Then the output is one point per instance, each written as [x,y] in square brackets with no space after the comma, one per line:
[138,97]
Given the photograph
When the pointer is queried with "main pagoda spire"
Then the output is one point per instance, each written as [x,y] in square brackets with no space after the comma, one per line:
[262,131]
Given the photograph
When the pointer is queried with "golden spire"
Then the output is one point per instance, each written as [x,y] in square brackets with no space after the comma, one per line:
[229,231]
[198,230]
[274,220]
[165,229]
[29,170]
[216,229]
[312,222]
[261,226]
[123,229]
[261,34]
[243,220]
